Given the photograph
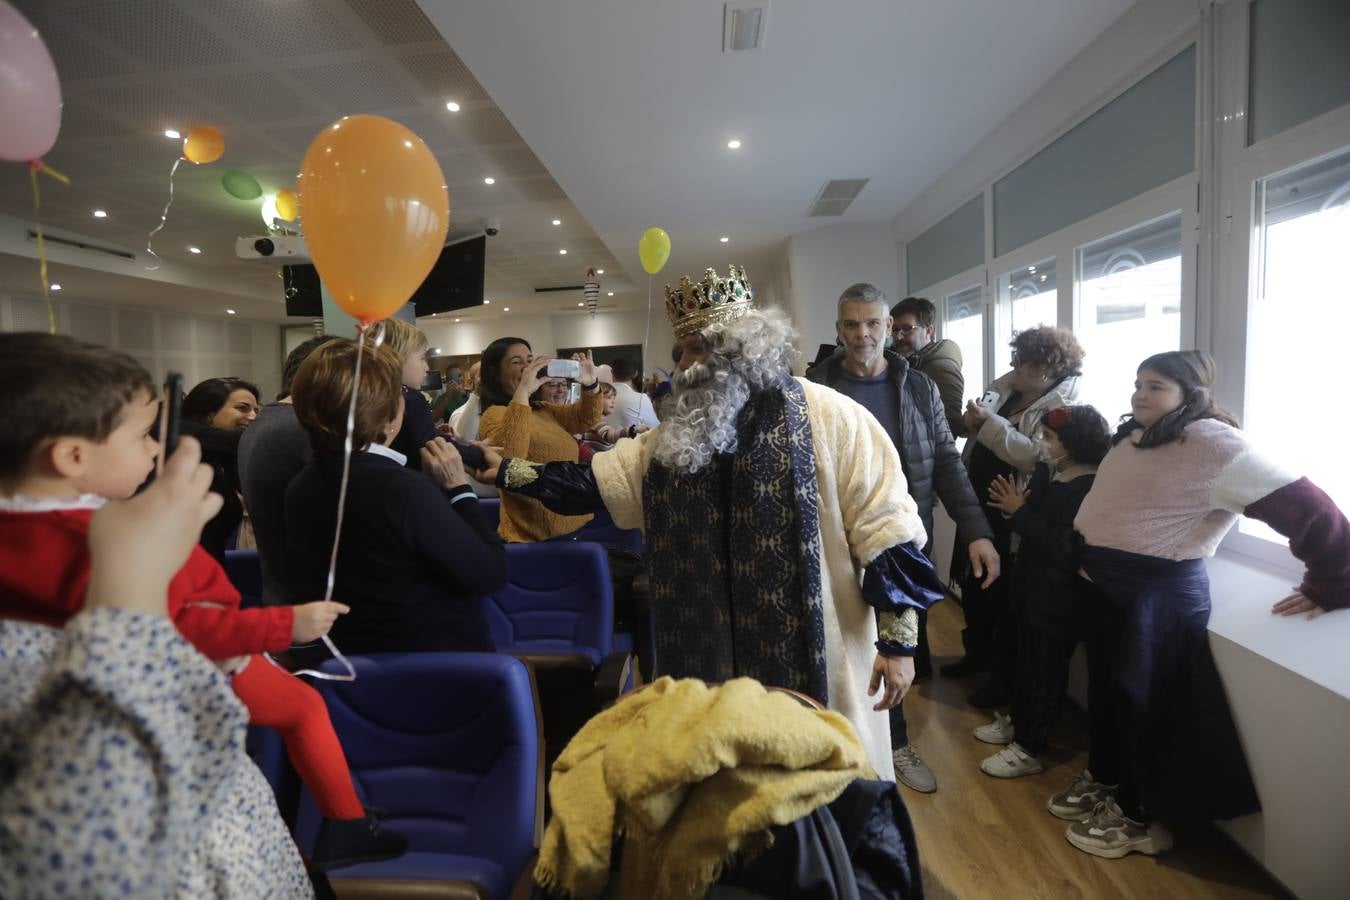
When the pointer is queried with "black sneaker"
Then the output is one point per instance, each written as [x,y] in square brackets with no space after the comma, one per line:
[967,665]
[345,842]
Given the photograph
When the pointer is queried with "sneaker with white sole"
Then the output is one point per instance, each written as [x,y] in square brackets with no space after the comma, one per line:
[1110,834]
[912,771]
[999,731]
[1077,801]
[1012,762]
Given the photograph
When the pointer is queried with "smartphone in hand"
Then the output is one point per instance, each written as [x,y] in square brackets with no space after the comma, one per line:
[170,418]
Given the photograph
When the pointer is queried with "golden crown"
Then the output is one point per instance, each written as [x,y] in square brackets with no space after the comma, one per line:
[693,307]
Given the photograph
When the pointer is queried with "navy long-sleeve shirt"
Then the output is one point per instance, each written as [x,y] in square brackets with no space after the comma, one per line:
[414,561]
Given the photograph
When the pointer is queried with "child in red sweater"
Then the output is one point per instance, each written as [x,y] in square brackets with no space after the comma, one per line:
[76,429]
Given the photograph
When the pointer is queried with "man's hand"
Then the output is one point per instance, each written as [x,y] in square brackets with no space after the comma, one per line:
[442,462]
[313,620]
[137,546]
[984,561]
[898,674]
[493,456]
[1297,603]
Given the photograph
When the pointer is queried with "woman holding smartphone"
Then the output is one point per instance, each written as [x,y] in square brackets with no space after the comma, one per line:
[1004,429]
[517,419]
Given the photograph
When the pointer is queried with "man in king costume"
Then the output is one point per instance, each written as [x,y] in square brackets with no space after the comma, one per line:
[783,544]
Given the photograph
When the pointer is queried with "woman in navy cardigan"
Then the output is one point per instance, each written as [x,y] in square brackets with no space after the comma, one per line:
[416,556]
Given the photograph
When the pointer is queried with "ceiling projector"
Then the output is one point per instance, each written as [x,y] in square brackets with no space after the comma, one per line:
[274,247]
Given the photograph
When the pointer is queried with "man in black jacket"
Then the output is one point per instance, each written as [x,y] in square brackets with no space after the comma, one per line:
[909,408]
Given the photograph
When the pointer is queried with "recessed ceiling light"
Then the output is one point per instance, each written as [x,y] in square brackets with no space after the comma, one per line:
[486,301]
[609,294]
[171,134]
[733,144]
[489,180]
[194,249]
[506,309]
[54,287]
[100,214]
[599,271]
[724,239]
[229,312]
[557,221]
[1042,278]
[581,303]
[457,320]
[563,251]
[452,106]
[1031,268]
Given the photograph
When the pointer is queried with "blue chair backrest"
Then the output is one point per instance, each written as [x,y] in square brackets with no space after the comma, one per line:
[491,507]
[447,745]
[558,598]
[245,572]
[602,530]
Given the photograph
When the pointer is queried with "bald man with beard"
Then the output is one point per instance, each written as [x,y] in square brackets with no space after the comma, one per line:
[779,527]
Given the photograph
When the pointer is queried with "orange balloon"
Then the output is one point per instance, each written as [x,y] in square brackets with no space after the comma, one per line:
[288,205]
[376,211]
[203,145]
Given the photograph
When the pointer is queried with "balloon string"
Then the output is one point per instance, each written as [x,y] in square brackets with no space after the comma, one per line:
[648,336]
[163,217]
[34,168]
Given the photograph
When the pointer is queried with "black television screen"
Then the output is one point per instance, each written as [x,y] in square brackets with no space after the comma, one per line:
[456,281]
[301,286]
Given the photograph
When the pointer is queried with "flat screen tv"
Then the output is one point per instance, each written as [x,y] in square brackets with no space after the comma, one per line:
[455,282]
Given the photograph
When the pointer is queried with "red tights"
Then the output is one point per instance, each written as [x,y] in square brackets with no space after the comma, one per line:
[277,699]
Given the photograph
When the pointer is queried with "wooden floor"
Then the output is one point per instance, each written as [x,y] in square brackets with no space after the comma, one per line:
[983,837]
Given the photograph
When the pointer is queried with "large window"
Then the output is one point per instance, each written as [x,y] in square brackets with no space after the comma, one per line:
[1129,307]
[963,322]
[1298,323]
[1027,298]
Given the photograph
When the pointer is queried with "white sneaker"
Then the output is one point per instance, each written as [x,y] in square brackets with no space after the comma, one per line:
[1109,833]
[1012,762]
[999,731]
[913,771]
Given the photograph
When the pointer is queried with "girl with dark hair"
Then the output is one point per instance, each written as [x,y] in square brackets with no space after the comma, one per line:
[1164,744]
[1049,596]
[216,412]
[517,419]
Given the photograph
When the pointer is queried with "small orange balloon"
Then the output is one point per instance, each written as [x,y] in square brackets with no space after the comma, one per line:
[376,212]
[288,205]
[203,145]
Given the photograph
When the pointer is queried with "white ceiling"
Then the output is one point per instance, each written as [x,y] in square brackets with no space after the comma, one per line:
[626,105]
[630,104]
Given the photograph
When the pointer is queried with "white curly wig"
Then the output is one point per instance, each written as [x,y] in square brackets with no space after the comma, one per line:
[751,352]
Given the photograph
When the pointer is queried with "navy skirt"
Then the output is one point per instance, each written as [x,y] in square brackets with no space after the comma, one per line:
[1183,753]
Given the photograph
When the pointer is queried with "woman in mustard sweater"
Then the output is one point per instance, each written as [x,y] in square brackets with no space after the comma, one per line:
[524,427]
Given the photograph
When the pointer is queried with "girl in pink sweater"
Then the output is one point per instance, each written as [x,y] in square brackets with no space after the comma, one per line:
[1163,739]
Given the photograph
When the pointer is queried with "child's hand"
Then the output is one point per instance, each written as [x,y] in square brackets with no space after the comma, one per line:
[312,620]
[1296,603]
[1005,495]
[138,545]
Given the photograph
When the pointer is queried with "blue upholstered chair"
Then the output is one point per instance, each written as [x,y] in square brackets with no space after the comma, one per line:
[245,573]
[447,746]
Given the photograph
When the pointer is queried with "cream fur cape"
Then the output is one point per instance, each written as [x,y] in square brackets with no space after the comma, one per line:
[865,508]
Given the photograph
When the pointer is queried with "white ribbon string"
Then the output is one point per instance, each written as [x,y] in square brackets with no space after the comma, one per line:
[376,341]
[163,217]
[646,338]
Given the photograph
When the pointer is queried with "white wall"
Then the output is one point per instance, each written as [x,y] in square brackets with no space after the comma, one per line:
[198,346]
[547,333]
[823,262]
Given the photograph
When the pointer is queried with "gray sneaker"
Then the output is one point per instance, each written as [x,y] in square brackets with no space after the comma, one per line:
[913,771]
[1077,801]
[1110,834]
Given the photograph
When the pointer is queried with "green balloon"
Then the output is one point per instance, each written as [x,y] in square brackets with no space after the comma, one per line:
[241,185]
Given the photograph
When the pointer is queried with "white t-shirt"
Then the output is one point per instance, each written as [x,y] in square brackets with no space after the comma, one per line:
[631,408]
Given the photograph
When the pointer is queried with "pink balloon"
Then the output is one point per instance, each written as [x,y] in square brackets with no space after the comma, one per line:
[30,92]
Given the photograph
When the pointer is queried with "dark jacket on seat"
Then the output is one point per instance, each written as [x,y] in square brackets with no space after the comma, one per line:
[412,565]
[928,453]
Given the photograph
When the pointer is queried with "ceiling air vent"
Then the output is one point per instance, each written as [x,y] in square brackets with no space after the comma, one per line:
[835,196]
[743,25]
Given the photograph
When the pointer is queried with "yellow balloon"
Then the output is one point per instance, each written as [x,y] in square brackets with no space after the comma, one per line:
[288,205]
[654,250]
[203,145]
[376,212]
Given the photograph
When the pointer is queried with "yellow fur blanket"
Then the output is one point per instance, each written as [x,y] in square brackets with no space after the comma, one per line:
[693,778]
